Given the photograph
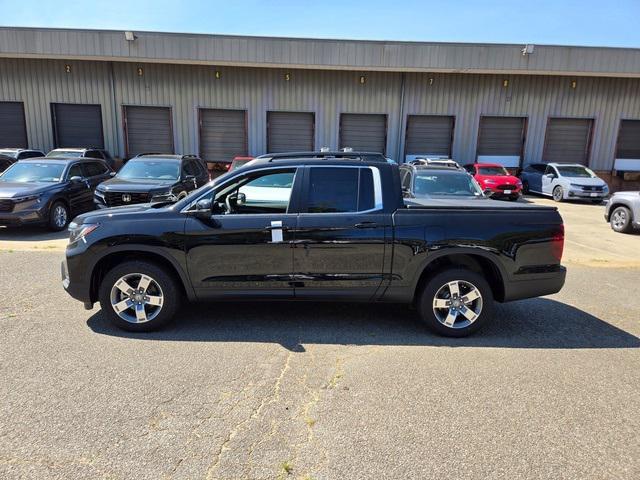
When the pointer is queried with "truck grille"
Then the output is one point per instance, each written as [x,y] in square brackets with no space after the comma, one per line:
[6,206]
[116,199]
[506,186]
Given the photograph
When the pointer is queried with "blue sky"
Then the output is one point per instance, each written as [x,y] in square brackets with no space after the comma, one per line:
[566,22]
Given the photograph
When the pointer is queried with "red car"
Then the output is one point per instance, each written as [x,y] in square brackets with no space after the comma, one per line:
[494,177]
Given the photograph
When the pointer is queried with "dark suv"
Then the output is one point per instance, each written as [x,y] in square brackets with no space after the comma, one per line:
[90,152]
[49,191]
[9,156]
[151,178]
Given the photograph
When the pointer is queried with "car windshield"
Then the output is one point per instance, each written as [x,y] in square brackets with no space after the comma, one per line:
[576,171]
[492,171]
[9,153]
[150,170]
[33,172]
[427,184]
[64,153]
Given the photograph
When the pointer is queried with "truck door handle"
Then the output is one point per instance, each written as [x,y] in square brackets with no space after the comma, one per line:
[273,227]
[366,225]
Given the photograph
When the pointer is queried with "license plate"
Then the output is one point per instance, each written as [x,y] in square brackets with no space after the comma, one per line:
[594,194]
[507,192]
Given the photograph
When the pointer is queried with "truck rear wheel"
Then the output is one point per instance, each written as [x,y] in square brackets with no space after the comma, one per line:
[456,302]
[139,296]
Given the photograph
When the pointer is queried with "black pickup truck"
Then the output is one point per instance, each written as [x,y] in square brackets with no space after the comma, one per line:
[314,229]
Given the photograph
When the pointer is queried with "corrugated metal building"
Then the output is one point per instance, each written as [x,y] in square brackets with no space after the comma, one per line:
[221,96]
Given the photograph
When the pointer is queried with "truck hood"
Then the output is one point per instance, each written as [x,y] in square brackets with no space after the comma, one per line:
[96,216]
[139,185]
[20,189]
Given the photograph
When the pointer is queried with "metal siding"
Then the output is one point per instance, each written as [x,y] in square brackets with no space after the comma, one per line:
[223,134]
[77,125]
[12,125]
[290,131]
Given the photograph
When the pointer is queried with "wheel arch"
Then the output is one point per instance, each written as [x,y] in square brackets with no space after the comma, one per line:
[140,253]
[619,204]
[475,261]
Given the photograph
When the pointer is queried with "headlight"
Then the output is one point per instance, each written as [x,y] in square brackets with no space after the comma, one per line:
[98,193]
[26,198]
[77,232]
[163,195]
[488,181]
[605,188]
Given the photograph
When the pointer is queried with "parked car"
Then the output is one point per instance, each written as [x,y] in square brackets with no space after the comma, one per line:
[91,152]
[495,178]
[238,162]
[563,181]
[435,162]
[623,211]
[428,181]
[338,229]
[21,153]
[49,191]
[6,162]
[152,178]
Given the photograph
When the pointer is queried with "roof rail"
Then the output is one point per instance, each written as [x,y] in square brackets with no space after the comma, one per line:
[149,153]
[349,155]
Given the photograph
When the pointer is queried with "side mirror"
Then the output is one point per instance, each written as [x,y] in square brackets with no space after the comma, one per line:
[203,209]
[112,174]
[190,177]
[76,179]
[241,199]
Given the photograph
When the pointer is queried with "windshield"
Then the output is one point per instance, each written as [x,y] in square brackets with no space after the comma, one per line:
[150,170]
[9,153]
[64,153]
[576,171]
[428,184]
[492,171]
[33,172]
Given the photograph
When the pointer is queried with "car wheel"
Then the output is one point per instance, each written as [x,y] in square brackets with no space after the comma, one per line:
[558,194]
[525,187]
[58,216]
[139,296]
[456,302]
[620,220]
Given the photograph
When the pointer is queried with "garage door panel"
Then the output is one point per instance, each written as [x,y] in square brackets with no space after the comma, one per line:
[364,132]
[290,131]
[13,132]
[148,129]
[567,140]
[628,147]
[429,135]
[77,125]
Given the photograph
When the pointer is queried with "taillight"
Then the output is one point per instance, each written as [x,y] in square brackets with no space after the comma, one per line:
[557,243]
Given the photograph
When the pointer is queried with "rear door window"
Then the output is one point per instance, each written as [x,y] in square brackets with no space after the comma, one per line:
[341,190]
[93,169]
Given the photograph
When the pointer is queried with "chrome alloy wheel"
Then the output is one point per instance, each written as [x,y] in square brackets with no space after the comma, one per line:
[457,304]
[60,216]
[619,219]
[137,298]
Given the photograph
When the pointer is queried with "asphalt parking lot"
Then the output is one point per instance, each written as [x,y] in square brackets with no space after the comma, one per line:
[325,391]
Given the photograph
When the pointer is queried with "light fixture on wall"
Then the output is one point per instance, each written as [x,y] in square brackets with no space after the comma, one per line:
[217,74]
[505,83]
[527,49]
[140,71]
[362,80]
[287,76]
[430,80]
[130,36]
[67,68]
[574,84]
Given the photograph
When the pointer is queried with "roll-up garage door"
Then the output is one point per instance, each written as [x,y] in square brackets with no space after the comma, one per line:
[223,134]
[13,132]
[628,149]
[428,135]
[364,132]
[148,130]
[290,131]
[501,140]
[77,125]
[567,140]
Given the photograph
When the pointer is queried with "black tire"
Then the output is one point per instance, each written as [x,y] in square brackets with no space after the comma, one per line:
[620,220]
[435,287]
[168,291]
[597,202]
[59,216]
[558,194]
[525,187]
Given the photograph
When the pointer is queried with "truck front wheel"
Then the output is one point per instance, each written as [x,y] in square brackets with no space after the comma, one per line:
[456,302]
[139,296]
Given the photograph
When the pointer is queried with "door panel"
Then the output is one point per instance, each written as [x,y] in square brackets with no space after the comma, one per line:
[148,129]
[364,131]
[235,255]
[13,132]
[290,131]
[567,140]
[79,193]
[77,125]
